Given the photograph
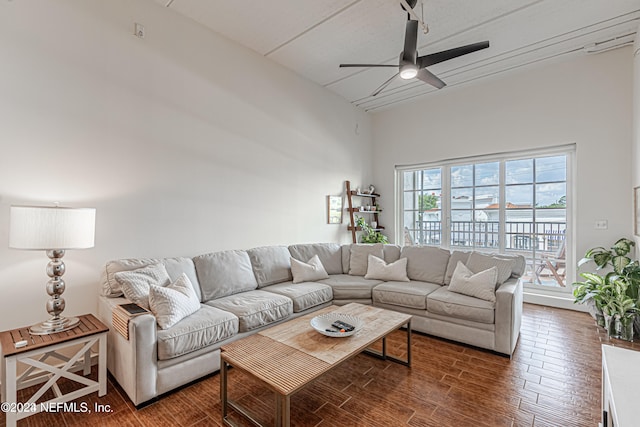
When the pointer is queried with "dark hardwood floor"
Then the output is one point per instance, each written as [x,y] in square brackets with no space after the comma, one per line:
[553,379]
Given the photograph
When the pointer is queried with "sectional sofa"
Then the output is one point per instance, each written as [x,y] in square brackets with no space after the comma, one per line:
[243,291]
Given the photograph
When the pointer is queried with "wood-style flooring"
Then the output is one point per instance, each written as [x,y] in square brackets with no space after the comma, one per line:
[553,379]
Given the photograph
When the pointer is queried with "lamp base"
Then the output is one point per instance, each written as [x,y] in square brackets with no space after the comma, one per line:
[53,326]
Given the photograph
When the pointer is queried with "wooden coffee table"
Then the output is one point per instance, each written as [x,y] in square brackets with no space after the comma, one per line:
[289,356]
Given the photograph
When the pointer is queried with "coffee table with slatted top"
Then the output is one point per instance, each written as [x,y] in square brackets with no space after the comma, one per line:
[288,356]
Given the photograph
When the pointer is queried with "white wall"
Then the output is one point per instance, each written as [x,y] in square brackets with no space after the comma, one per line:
[586,101]
[184,142]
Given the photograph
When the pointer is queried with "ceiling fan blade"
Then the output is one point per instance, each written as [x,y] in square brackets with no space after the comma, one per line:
[367,65]
[410,52]
[385,84]
[445,55]
[430,78]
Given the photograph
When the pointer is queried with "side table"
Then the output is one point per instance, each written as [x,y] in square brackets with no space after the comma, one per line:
[41,348]
[620,394]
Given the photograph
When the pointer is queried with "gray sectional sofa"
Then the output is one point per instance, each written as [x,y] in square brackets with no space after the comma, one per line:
[242,292]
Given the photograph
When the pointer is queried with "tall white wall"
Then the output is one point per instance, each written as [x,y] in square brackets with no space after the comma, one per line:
[184,142]
[586,101]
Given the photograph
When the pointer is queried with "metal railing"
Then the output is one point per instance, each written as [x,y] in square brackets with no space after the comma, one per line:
[521,236]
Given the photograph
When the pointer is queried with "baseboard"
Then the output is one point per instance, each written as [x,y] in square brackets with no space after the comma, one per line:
[557,301]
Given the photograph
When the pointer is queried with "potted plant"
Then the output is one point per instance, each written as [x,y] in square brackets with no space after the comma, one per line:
[370,235]
[614,295]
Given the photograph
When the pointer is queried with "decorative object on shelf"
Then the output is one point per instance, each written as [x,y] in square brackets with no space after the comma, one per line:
[334,209]
[53,229]
[613,296]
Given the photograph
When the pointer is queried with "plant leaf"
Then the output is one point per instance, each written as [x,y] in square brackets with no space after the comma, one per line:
[623,246]
[619,263]
[601,258]
[593,277]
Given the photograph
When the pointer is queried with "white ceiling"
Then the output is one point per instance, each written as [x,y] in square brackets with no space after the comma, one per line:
[312,37]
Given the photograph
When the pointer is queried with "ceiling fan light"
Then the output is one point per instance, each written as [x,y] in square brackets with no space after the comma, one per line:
[408,71]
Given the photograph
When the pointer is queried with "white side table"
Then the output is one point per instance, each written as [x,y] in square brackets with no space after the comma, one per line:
[620,393]
[38,354]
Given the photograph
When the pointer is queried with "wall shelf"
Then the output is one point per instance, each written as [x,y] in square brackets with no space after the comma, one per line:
[369,199]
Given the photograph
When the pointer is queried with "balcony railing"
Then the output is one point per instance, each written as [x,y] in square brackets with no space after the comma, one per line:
[520,236]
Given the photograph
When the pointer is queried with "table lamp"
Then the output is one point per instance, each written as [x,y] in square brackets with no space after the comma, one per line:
[53,229]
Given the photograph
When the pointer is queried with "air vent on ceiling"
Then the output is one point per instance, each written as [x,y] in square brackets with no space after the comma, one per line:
[610,44]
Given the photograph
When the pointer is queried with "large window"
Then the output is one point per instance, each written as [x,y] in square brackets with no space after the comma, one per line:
[514,204]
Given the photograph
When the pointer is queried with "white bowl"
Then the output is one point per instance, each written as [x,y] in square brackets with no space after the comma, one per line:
[323,323]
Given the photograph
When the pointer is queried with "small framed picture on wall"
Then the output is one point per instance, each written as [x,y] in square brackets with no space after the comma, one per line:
[636,211]
[334,209]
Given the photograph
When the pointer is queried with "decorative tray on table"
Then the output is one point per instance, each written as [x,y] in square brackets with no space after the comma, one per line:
[336,324]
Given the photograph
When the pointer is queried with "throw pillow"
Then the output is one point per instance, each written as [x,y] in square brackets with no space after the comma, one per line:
[479,285]
[478,262]
[135,283]
[308,271]
[174,302]
[380,270]
[359,258]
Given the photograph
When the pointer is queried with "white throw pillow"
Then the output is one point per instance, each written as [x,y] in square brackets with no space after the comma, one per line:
[174,302]
[135,283]
[480,285]
[309,271]
[380,270]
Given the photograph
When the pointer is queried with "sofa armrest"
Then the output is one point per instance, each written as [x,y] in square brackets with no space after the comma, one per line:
[509,299]
[133,362]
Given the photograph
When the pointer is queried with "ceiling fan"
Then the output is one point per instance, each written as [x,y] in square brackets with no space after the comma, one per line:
[410,65]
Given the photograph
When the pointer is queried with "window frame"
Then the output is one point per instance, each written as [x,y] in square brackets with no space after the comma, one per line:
[568,150]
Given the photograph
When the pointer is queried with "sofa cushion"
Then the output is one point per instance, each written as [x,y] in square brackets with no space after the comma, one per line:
[478,262]
[480,285]
[135,283]
[304,295]
[255,308]
[206,326]
[426,263]
[404,294]
[224,273]
[359,257]
[446,303]
[310,271]
[380,270]
[270,264]
[174,302]
[330,255]
[391,253]
[345,286]
[175,267]
[519,265]
[453,263]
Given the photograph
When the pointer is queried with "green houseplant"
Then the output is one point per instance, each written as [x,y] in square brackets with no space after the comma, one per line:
[614,295]
[369,234]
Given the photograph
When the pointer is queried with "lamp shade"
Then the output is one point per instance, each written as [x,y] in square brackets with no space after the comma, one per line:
[44,228]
